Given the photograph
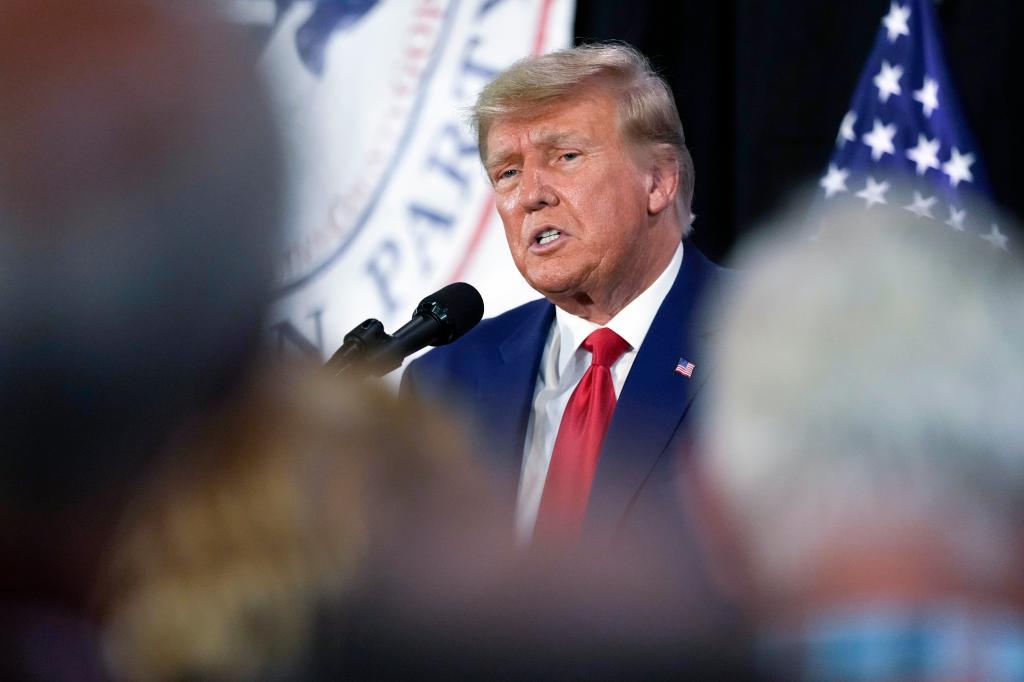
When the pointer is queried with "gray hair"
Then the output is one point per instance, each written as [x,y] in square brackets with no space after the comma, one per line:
[647,111]
[869,381]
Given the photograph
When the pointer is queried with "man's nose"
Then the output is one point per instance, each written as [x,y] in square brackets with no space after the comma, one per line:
[536,191]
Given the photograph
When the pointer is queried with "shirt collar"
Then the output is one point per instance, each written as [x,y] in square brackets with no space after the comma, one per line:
[631,323]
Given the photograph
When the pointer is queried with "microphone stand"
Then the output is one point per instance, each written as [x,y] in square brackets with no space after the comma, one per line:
[439,319]
[368,349]
[358,343]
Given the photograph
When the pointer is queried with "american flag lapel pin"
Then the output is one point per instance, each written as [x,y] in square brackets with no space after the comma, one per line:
[684,367]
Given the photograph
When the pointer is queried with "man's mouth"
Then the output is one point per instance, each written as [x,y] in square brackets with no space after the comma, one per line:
[548,236]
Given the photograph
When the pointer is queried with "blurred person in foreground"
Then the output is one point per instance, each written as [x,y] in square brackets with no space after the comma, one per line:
[583,396]
[309,532]
[138,220]
[863,452]
[273,511]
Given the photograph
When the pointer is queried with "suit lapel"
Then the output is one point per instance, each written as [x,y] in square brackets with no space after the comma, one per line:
[655,399]
[508,385]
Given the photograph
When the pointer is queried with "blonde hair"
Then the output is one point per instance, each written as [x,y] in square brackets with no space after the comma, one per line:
[647,111]
[265,515]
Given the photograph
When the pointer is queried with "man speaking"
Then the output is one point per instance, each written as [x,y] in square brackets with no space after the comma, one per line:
[585,395]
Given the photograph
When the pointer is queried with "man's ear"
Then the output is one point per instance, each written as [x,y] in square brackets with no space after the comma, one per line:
[663,181]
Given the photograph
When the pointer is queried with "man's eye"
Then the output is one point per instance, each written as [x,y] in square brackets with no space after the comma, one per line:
[507,173]
[570,156]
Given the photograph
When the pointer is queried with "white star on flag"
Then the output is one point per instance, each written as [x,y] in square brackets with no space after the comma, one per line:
[997,239]
[874,192]
[958,168]
[928,96]
[956,218]
[846,133]
[834,181]
[880,139]
[925,155]
[921,207]
[895,21]
[908,132]
[887,80]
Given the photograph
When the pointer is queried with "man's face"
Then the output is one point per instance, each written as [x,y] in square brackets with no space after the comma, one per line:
[576,204]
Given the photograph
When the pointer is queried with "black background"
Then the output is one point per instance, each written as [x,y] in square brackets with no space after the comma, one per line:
[762,85]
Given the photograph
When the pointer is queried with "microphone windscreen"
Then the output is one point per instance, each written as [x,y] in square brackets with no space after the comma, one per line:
[457,306]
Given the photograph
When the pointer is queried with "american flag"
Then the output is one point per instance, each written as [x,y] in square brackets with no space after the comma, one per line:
[904,142]
[685,368]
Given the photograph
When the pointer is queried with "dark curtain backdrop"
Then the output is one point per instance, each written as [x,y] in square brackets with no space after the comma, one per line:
[762,85]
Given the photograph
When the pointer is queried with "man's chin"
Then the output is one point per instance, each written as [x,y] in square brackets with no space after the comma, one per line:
[569,298]
[550,280]
[553,290]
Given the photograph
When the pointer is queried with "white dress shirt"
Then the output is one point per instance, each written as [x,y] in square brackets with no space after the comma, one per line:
[562,366]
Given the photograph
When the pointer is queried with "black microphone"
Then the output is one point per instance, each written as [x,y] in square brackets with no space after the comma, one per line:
[440,318]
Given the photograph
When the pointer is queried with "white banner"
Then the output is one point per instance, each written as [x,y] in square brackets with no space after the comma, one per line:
[388,201]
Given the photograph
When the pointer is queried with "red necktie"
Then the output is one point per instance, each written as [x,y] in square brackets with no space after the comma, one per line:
[578,444]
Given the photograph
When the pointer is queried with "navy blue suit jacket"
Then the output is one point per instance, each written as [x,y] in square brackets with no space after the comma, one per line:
[490,375]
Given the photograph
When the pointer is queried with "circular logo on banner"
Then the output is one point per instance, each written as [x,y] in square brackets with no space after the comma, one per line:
[387,198]
[350,77]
